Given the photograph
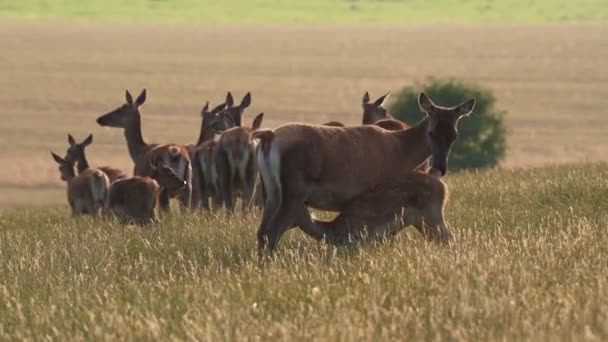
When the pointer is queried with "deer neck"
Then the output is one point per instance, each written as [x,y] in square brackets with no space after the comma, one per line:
[206,134]
[135,140]
[415,142]
[82,163]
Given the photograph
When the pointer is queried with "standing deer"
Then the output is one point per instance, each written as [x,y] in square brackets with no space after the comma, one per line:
[76,154]
[174,156]
[134,199]
[413,198]
[87,192]
[375,113]
[327,167]
[201,174]
[235,160]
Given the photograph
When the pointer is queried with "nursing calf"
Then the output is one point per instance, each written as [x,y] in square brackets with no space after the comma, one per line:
[413,199]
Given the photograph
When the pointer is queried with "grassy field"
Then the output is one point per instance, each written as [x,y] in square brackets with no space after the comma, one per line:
[312,11]
[529,263]
[58,77]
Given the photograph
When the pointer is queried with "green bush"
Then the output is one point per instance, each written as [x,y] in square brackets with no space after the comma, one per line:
[481,136]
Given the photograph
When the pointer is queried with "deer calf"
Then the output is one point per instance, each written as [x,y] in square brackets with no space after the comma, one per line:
[87,192]
[412,199]
[76,154]
[134,199]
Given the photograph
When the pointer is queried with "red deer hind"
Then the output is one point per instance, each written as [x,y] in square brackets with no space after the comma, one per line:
[87,192]
[134,199]
[174,156]
[327,167]
[375,113]
[235,160]
[204,178]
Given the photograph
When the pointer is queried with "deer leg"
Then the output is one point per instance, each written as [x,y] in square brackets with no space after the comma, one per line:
[216,201]
[163,200]
[185,195]
[269,236]
[224,174]
[247,175]
[257,197]
[431,224]
[196,200]
[204,200]
[318,230]
[227,191]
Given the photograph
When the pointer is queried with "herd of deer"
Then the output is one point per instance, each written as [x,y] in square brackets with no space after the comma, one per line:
[381,176]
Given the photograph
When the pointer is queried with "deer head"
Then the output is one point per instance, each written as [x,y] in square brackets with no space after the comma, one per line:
[236,112]
[66,168]
[442,129]
[126,114]
[209,115]
[374,111]
[167,178]
[76,150]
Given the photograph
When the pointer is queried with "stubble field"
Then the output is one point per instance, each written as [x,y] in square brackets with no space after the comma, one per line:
[58,77]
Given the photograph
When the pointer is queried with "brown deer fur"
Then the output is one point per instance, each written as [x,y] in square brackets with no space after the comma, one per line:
[202,175]
[134,199]
[174,156]
[413,198]
[86,192]
[208,177]
[235,162]
[76,153]
[334,124]
[327,167]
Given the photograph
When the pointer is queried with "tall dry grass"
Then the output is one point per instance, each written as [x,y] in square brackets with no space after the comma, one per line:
[529,263]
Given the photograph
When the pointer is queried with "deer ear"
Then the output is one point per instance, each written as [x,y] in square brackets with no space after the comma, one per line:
[425,103]
[465,108]
[366,97]
[246,102]
[128,97]
[71,140]
[57,158]
[88,141]
[141,98]
[229,100]
[380,101]
[257,122]
[205,107]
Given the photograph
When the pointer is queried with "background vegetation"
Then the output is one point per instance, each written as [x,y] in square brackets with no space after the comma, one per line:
[312,11]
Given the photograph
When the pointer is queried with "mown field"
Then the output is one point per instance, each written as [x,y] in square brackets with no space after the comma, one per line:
[58,77]
[529,263]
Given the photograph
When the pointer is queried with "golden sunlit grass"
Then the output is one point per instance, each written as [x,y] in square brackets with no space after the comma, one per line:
[529,263]
[58,77]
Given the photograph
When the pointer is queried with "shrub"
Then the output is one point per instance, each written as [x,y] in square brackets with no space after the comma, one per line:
[481,136]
